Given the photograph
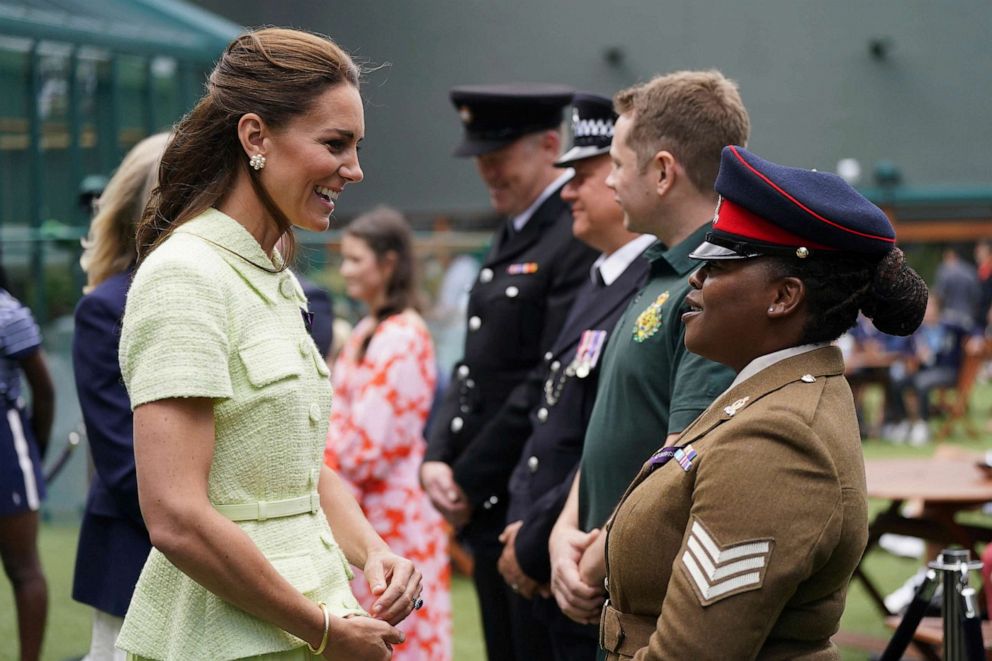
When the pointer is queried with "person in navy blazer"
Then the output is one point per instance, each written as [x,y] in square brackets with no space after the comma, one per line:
[113,541]
[550,427]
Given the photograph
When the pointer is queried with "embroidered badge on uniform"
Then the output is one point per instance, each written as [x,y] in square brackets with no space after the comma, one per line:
[522,269]
[717,572]
[649,321]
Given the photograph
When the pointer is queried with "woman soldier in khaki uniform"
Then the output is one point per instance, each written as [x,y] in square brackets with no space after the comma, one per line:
[739,540]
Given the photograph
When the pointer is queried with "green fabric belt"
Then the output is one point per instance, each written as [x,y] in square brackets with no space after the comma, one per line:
[271,509]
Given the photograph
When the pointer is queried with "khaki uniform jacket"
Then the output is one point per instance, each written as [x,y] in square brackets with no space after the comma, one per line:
[742,545]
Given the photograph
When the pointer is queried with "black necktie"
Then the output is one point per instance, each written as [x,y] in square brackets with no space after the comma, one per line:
[598,277]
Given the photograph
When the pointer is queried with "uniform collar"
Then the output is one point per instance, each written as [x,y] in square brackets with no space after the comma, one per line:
[520,221]
[613,265]
[676,259]
[236,246]
[769,359]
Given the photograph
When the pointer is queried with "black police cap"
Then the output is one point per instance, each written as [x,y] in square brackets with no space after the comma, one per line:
[493,116]
[593,121]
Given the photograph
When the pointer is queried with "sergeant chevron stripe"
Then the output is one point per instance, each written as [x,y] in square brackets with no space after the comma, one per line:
[718,572]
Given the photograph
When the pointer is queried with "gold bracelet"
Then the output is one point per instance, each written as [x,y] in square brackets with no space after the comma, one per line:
[327,628]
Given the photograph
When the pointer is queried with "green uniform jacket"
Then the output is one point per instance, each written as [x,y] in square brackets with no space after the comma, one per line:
[202,321]
[743,546]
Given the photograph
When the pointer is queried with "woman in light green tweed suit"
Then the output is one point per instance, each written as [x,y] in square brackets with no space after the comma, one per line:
[231,397]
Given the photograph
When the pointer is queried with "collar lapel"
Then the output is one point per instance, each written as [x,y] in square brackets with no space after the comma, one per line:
[505,248]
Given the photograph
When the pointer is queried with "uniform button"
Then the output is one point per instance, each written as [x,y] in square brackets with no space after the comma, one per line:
[511,291]
[456,424]
[485,275]
[469,383]
[532,464]
[542,414]
[474,323]
[487,505]
[287,289]
[463,371]
[493,500]
[314,412]
[548,356]
[555,365]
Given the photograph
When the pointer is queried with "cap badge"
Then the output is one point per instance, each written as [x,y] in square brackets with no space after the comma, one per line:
[465,113]
[735,407]
[802,252]
[649,321]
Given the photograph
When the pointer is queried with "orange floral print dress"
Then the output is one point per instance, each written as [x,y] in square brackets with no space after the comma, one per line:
[376,443]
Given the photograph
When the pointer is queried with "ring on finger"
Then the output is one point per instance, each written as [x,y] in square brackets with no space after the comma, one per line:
[418,604]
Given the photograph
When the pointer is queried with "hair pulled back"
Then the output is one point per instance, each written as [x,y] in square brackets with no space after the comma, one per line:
[109,247]
[384,230]
[887,291]
[276,73]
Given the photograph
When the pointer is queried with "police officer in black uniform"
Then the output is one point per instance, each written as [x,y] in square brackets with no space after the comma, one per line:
[563,390]
[517,306]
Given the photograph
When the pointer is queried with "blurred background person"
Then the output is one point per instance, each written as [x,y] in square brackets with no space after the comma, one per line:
[957,286]
[23,441]
[113,540]
[383,388]
[517,306]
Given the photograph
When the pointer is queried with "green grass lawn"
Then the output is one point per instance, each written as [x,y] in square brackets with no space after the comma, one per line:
[67,635]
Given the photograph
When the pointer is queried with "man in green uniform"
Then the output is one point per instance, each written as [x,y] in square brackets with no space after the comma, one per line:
[666,155]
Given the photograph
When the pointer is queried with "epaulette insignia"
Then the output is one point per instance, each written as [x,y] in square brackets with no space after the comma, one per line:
[649,321]
[717,572]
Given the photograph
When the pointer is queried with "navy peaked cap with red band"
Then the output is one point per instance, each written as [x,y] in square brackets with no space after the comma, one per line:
[770,209]
[493,116]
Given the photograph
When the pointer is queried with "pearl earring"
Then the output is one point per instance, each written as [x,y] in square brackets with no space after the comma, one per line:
[257,162]
[771,309]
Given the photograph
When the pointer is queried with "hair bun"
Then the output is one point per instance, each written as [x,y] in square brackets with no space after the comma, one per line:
[897,297]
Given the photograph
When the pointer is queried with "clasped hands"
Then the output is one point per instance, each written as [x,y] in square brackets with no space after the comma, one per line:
[438,480]
[398,585]
[578,567]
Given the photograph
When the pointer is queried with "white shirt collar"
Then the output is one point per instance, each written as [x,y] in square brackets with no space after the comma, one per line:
[521,220]
[613,265]
[769,359]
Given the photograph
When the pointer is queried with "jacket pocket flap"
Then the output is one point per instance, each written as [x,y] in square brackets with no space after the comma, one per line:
[269,360]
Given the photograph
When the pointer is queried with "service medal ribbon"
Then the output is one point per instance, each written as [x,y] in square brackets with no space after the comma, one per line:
[588,353]
[522,269]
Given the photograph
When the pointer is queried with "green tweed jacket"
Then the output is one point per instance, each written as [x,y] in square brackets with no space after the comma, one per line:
[203,320]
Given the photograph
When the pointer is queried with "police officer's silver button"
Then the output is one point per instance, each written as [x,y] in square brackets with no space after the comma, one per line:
[485,275]
[469,383]
[533,463]
[493,500]
[548,356]
[314,412]
[487,505]
[456,424]
[542,414]
[512,291]
[555,365]
[475,323]
[463,371]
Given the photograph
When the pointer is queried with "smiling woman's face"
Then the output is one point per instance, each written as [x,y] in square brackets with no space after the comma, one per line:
[311,159]
[728,315]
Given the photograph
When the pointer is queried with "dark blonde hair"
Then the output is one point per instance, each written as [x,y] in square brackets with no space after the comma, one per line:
[384,230]
[109,247]
[274,72]
[692,114]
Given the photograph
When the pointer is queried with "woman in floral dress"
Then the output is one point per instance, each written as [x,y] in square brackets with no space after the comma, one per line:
[383,387]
